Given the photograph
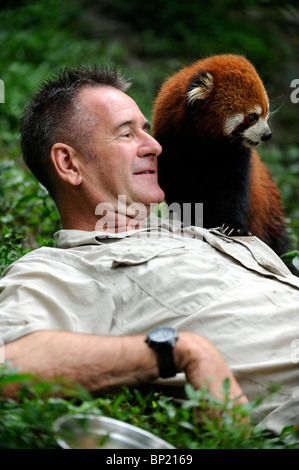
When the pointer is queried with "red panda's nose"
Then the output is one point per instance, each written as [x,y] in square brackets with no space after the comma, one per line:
[266,136]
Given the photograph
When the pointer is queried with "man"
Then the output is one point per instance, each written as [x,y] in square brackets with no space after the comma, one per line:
[84,308]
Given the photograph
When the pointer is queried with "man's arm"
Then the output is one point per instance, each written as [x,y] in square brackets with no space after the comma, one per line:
[103,362]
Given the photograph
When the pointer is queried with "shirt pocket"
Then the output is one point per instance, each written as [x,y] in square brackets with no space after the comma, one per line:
[134,254]
[175,277]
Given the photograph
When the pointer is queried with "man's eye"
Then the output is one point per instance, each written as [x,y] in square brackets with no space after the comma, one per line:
[253,117]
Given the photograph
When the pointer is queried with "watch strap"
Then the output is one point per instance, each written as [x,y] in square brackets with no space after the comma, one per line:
[166,364]
[164,351]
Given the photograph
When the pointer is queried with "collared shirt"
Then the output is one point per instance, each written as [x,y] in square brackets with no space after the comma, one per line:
[234,291]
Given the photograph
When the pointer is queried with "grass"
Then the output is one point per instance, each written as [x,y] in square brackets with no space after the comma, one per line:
[27,422]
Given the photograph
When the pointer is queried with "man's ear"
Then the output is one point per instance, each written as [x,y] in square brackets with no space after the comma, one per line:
[65,161]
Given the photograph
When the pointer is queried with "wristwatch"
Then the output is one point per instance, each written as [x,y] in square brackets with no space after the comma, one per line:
[163,340]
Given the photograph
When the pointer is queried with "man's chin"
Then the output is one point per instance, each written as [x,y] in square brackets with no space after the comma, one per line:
[158,197]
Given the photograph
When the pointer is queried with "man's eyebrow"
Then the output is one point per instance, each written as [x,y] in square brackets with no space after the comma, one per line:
[132,122]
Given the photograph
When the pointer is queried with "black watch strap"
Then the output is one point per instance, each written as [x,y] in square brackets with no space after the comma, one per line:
[166,363]
[163,340]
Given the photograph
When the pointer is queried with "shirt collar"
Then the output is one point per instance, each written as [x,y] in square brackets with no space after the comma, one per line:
[74,238]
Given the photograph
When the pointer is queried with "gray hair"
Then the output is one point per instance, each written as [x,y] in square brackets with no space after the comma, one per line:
[54,114]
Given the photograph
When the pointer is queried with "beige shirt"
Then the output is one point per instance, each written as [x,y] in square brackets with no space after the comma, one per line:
[234,291]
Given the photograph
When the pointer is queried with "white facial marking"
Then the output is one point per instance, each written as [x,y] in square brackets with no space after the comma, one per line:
[253,135]
[232,123]
[257,110]
[257,130]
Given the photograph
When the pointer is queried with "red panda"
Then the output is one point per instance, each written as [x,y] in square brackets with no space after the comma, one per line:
[208,117]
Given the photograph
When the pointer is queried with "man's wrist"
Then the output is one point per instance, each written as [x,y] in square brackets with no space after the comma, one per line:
[162,340]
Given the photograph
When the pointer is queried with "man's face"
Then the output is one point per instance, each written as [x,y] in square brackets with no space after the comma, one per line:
[125,161]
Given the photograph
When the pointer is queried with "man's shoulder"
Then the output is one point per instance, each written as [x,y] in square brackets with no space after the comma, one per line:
[41,253]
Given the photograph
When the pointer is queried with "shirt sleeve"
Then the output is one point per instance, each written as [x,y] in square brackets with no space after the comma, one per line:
[45,294]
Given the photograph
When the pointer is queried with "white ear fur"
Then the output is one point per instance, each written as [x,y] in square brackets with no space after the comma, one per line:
[200,87]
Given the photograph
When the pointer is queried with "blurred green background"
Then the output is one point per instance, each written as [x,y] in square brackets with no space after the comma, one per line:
[148,41]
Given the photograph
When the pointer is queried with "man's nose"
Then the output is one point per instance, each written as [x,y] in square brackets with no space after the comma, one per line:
[150,147]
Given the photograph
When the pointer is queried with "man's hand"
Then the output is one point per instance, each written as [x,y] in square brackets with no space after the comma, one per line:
[203,363]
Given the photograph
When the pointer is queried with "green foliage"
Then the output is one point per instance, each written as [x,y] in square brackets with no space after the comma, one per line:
[11,247]
[284,168]
[200,422]
[147,40]
[193,28]
[45,37]
[28,215]
[177,33]
[26,421]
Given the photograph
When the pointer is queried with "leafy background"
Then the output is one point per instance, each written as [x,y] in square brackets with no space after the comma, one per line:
[148,41]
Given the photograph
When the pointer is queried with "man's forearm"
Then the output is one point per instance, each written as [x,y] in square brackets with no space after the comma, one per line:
[96,362]
[102,362]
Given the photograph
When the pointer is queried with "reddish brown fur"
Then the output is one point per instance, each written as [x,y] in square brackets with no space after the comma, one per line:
[265,215]
[237,88]
[228,71]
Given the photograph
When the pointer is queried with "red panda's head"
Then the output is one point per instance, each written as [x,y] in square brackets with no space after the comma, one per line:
[221,96]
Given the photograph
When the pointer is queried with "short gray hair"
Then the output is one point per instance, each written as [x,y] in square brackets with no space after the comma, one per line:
[54,114]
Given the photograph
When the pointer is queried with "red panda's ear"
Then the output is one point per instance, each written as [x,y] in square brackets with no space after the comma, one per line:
[200,87]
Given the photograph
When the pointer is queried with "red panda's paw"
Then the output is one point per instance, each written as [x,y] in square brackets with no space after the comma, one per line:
[234,232]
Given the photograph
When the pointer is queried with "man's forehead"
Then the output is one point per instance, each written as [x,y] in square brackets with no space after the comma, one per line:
[106,97]
[111,104]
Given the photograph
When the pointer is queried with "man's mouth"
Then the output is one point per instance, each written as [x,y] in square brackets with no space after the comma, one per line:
[145,172]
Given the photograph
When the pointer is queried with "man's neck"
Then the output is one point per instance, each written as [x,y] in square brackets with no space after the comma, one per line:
[109,222]
[119,216]
[116,223]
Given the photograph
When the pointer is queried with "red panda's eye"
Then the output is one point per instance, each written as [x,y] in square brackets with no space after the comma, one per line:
[253,117]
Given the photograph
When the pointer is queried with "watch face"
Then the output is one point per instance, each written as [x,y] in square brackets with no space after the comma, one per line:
[162,334]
